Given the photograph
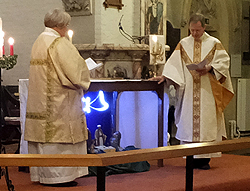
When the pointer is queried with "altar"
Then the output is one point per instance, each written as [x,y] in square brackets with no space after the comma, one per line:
[152,120]
[149,102]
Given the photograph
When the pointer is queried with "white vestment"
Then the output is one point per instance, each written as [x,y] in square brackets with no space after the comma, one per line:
[200,99]
[53,175]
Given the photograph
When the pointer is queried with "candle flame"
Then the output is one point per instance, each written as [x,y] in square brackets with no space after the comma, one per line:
[11,41]
[2,34]
[70,33]
[154,38]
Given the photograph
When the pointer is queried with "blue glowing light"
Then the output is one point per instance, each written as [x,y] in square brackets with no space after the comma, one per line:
[87,103]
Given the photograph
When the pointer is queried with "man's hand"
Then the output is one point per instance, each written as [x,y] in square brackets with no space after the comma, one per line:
[204,70]
[160,79]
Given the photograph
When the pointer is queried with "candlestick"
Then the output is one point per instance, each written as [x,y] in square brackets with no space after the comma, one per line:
[11,42]
[70,34]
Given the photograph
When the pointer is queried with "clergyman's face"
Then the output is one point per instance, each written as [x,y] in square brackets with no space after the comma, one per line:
[196,30]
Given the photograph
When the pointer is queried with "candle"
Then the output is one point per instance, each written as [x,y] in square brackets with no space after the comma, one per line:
[3,50]
[2,36]
[11,42]
[1,24]
[154,38]
[70,34]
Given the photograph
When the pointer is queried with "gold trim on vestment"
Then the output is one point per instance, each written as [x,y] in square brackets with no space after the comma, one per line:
[36,115]
[46,115]
[50,128]
[178,47]
[196,92]
[184,55]
[38,62]
[221,95]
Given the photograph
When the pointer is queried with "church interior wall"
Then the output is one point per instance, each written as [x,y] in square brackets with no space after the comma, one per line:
[22,20]
[107,23]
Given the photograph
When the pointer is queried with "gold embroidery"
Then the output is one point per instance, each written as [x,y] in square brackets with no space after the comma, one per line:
[38,62]
[219,46]
[184,56]
[210,55]
[197,52]
[197,81]
[178,47]
[196,87]
[53,44]
[34,115]
[196,92]
[50,128]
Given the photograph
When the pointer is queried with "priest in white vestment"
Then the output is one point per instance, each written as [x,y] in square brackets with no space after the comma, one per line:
[55,122]
[199,70]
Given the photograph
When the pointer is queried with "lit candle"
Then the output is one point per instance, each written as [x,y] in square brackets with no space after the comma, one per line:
[70,34]
[1,24]
[3,50]
[2,36]
[154,38]
[11,42]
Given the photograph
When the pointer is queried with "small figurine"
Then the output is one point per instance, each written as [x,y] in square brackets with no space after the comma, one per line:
[100,137]
[115,140]
[90,144]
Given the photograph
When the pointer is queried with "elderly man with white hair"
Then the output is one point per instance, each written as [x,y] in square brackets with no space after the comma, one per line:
[55,122]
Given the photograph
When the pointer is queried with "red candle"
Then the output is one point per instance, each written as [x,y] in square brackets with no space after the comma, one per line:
[11,42]
[11,50]
[2,42]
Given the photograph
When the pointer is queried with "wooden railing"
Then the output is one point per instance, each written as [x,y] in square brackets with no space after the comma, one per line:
[106,159]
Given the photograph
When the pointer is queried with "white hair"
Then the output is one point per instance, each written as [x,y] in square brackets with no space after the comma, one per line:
[56,18]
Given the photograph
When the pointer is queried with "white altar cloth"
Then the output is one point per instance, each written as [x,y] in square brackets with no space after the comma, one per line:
[23,95]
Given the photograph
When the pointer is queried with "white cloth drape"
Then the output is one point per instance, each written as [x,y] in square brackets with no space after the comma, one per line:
[137,119]
[23,95]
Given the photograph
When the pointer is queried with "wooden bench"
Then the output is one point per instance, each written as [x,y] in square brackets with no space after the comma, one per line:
[106,159]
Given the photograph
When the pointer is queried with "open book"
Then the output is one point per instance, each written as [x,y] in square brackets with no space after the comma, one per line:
[197,66]
[92,64]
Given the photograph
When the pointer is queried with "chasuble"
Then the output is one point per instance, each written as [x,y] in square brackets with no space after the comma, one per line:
[200,99]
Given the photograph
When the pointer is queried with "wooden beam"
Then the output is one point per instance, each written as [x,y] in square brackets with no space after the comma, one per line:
[113,158]
[50,160]
[174,151]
